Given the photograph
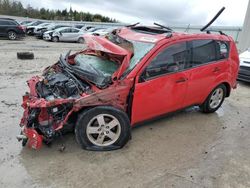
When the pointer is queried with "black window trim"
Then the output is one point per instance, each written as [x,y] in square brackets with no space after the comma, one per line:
[188,41]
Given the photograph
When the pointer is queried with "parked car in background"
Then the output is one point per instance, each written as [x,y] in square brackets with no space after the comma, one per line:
[79,26]
[30,26]
[11,29]
[67,34]
[48,30]
[25,22]
[86,28]
[101,32]
[39,27]
[244,72]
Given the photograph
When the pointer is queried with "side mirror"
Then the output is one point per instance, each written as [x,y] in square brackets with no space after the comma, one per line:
[60,33]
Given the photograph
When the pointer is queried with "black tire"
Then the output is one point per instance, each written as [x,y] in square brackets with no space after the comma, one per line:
[206,107]
[55,39]
[85,118]
[12,35]
[29,31]
[25,55]
[81,40]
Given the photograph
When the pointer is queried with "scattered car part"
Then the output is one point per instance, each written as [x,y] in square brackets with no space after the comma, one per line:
[25,55]
[214,18]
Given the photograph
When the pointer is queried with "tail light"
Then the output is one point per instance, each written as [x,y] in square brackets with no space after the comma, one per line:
[21,27]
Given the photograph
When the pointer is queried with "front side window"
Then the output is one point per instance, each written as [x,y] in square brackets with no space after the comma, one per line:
[170,60]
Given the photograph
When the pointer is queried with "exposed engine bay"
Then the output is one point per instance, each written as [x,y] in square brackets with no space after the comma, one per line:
[84,79]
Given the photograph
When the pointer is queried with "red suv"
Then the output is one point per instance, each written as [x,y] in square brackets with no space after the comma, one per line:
[131,75]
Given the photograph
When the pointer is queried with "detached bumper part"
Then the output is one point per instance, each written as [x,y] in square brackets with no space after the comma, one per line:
[30,137]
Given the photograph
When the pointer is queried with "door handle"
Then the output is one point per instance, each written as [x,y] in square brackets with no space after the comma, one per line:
[216,69]
[181,80]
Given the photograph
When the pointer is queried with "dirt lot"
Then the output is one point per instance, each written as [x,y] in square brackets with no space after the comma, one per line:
[186,149]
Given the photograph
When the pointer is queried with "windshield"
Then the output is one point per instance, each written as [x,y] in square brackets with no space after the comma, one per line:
[138,49]
[105,66]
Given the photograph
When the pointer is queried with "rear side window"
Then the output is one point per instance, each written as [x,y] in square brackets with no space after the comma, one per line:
[4,22]
[12,23]
[203,51]
[74,31]
[66,31]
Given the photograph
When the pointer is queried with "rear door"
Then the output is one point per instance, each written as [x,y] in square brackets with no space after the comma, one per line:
[65,35]
[208,62]
[74,34]
[162,85]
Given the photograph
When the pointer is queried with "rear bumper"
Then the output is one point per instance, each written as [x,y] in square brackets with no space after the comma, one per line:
[244,74]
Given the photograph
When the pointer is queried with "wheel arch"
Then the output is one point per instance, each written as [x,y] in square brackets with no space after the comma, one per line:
[228,87]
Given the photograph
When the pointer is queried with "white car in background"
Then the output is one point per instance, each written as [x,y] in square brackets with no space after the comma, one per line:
[244,72]
[67,34]
[41,26]
[103,31]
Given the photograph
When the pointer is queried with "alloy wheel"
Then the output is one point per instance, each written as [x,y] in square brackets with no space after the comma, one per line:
[103,130]
[216,98]
[12,35]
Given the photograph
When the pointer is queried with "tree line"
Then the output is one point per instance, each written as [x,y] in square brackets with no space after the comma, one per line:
[16,8]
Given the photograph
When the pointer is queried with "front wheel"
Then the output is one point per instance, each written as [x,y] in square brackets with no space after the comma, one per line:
[102,128]
[214,100]
[55,39]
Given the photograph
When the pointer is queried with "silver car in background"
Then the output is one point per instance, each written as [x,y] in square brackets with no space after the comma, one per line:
[67,34]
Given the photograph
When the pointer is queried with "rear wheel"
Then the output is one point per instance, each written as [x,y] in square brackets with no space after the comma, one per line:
[55,39]
[12,35]
[80,40]
[102,128]
[214,100]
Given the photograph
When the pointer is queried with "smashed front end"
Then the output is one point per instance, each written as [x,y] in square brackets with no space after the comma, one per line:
[87,78]
[48,105]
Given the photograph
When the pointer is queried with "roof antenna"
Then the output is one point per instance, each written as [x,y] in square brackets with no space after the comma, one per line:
[214,18]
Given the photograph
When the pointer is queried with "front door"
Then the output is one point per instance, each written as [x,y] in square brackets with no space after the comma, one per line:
[162,85]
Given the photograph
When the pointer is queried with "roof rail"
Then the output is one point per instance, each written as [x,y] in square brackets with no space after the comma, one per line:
[212,30]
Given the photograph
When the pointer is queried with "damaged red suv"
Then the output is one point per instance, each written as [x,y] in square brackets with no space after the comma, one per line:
[131,75]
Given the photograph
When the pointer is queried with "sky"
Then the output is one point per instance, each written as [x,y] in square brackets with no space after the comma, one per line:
[168,12]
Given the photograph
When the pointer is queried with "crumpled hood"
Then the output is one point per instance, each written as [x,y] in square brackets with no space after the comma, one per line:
[102,44]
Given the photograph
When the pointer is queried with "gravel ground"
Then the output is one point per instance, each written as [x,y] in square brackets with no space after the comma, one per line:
[185,149]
